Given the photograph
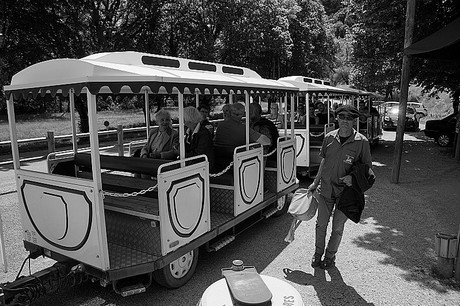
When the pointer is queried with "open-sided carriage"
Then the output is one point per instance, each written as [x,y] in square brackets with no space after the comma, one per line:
[90,213]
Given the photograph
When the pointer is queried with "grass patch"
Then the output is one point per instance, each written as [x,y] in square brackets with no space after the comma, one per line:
[35,126]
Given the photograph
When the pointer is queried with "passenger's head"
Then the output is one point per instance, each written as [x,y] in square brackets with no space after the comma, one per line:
[204,110]
[255,112]
[192,116]
[274,109]
[311,109]
[301,109]
[163,119]
[320,107]
[237,110]
[226,111]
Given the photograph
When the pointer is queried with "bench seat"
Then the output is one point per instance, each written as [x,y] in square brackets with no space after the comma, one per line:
[139,206]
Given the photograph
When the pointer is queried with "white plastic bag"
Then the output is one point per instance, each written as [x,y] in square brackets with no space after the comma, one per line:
[303,207]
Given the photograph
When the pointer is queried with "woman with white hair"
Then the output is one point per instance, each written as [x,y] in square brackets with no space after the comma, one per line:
[198,139]
[163,140]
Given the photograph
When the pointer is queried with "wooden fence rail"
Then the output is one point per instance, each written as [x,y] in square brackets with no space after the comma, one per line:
[50,139]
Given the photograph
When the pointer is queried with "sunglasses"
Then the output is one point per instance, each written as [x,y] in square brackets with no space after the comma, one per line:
[345,117]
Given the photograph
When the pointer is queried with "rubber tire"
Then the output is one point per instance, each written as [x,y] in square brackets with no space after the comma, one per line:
[164,277]
[443,140]
[287,201]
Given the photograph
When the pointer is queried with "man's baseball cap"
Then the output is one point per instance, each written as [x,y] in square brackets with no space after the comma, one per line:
[348,110]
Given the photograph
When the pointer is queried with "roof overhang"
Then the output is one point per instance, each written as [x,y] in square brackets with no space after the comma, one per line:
[127,72]
[305,84]
[443,44]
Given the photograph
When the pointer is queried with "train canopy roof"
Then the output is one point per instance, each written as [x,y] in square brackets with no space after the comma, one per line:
[307,84]
[135,72]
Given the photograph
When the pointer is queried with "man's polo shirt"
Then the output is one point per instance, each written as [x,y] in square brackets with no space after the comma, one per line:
[338,159]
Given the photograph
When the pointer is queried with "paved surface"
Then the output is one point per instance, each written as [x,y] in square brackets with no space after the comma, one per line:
[386,259]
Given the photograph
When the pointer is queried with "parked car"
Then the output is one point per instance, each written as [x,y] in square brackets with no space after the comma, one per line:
[383,108]
[420,110]
[390,118]
[442,130]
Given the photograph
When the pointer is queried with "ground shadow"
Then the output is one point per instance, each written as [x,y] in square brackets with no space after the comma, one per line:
[257,247]
[405,217]
[333,292]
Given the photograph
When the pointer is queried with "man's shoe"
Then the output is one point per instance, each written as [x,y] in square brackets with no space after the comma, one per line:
[316,260]
[328,263]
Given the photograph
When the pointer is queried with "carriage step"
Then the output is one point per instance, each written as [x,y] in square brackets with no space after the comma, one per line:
[132,285]
[270,212]
[221,243]
[133,289]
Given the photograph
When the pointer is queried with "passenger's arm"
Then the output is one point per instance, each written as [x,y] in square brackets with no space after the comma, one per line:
[146,148]
[255,136]
[317,179]
[263,140]
[174,150]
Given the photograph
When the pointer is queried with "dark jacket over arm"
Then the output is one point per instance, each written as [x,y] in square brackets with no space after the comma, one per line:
[351,201]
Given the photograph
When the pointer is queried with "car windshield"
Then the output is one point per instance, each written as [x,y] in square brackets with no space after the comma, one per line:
[395,110]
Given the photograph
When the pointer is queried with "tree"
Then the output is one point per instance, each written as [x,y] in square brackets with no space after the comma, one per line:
[378,36]
[258,36]
[314,47]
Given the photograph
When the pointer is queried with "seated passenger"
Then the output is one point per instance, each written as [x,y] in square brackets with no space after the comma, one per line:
[301,117]
[311,115]
[204,110]
[163,142]
[321,116]
[232,132]
[363,112]
[226,111]
[275,116]
[198,139]
[263,126]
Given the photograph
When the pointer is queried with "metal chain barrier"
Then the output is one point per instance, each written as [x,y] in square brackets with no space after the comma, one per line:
[221,172]
[270,153]
[132,194]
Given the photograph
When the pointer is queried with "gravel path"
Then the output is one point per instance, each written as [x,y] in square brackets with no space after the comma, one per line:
[387,258]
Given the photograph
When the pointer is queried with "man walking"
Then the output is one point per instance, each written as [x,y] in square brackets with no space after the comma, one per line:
[341,148]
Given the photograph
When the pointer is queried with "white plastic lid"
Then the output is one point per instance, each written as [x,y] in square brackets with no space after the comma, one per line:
[283,293]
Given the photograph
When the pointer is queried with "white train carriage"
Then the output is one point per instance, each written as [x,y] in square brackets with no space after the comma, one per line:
[88,210]
[309,137]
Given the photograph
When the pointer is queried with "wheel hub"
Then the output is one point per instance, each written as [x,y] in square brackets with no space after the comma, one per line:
[182,265]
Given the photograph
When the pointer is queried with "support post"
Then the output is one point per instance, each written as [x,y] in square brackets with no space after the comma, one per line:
[405,75]
[51,142]
[147,112]
[457,258]
[121,150]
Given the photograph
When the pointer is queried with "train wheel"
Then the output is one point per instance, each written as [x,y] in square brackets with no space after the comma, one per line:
[283,205]
[178,272]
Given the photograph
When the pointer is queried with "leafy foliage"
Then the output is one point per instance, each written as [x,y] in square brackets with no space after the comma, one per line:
[356,42]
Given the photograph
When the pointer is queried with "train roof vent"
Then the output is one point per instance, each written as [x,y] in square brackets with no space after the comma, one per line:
[232,70]
[202,66]
[307,80]
[160,61]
